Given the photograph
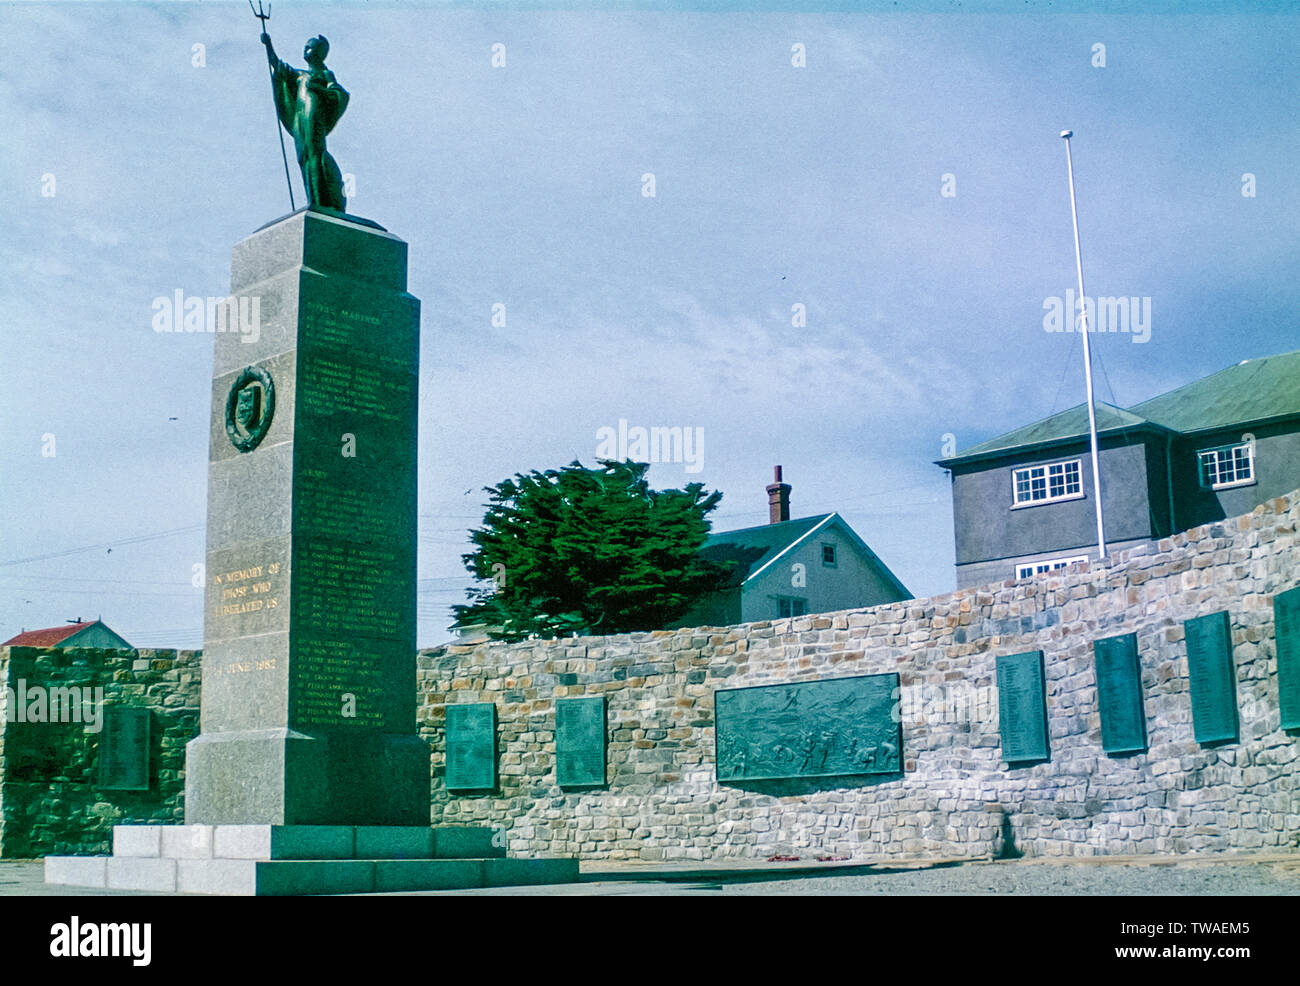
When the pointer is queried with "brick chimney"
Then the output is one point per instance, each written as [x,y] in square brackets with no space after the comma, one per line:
[778,499]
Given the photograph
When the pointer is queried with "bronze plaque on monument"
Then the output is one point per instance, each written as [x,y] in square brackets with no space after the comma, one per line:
[1119,694]
[472,747]
[124,750]
[1213,678]
[580,742]
[839,727]
[1022,708]
[1286,628]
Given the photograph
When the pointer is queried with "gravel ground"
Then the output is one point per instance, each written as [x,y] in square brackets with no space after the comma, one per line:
[1227,879]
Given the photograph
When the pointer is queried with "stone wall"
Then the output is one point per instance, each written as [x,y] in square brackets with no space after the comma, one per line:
[50,799]
[955,796]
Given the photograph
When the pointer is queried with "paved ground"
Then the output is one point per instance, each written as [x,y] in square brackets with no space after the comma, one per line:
[1115,876]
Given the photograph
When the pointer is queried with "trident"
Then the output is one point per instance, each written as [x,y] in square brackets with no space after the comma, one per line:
[265,16]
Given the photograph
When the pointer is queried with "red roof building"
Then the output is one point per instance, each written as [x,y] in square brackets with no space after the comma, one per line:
[94,633]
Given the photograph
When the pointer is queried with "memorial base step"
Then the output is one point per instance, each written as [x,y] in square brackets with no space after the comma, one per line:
[308,841]
[282,877]
[277,860]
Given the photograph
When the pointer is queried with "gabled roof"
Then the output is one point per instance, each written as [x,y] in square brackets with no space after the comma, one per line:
[48,637]
[753,549]
[1253,391]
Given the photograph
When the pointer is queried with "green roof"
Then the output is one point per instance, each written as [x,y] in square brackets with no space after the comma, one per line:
[1252,391]
[752,547]
[1058,428]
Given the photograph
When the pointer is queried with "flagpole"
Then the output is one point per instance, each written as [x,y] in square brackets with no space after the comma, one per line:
[1087,353]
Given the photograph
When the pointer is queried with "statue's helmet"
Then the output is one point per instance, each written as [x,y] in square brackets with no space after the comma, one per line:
[318,46]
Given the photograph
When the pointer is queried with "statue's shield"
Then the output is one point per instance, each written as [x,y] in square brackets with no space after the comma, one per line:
[248,407]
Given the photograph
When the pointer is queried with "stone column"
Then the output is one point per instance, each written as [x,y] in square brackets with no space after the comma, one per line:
[308,703]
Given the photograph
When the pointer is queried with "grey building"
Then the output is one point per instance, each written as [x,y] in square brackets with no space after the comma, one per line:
[1022,503]
[792,567]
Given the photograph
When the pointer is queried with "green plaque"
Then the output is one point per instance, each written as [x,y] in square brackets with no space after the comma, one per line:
[1022,707]
[580,741]
[1119,694]
[472,747]
[1286,630]
[838,727]
[124,750]
[1213,677]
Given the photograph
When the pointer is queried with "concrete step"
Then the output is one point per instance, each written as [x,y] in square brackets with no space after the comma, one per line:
[307,842]
[259,877]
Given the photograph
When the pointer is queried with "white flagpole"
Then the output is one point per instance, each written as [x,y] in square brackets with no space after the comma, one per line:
[1087,353]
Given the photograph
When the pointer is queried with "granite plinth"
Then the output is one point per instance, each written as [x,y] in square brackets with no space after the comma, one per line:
[308,710]
[283,777]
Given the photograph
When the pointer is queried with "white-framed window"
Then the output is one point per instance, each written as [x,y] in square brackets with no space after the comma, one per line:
[1228,465]
[828,556]
[787,606]
[1032,485]
[1029,569]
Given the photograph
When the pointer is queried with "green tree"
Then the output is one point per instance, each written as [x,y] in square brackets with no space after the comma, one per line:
[582,551]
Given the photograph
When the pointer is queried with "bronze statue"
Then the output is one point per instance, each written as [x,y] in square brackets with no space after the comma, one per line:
[309,103]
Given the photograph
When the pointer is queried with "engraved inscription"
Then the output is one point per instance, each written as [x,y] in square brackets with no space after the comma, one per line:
[1119,694]
[1286,626]
[124,750]
[471,747]
[1213,679]
[1022,707]
[580,741]
[248,590]
[343,588]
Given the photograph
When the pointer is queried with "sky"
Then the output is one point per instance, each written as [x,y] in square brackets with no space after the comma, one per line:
[904,188]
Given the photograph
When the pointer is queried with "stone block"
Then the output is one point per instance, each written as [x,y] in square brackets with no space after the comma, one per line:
[528,872]
[398,875]
[77,871]
[393,842]
[141,873]
[467,842]
[137,840]
[186,841]
[289,842]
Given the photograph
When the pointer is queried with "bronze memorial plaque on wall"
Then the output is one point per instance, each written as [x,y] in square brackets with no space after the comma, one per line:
[1022,708]
[1286,629]
[472,747]
[1119,694]
[838,727]
[124,750]
[580,742]
[1213,677]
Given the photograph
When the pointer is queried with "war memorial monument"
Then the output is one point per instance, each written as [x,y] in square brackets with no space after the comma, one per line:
[1142,705]
[308,775]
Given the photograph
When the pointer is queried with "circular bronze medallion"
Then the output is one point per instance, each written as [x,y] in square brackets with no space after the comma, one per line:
[249,408]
